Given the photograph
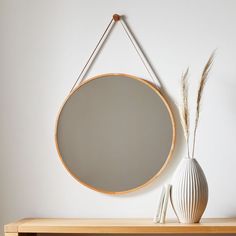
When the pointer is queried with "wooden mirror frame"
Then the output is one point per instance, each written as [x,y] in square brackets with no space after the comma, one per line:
[159,93]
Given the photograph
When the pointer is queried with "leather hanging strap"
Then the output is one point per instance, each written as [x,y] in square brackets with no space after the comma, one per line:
[146,63]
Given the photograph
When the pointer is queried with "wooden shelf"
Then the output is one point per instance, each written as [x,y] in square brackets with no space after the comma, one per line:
[118,226]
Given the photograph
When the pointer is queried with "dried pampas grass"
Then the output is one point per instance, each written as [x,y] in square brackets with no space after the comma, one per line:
[202,84]
[184,109]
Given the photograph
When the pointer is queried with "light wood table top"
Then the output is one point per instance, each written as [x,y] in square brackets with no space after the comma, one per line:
[118,226]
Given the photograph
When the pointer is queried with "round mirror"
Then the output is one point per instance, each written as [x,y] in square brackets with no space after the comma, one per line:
[115,133]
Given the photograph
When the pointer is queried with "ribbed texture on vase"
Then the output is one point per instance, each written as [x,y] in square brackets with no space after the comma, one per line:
[189,193]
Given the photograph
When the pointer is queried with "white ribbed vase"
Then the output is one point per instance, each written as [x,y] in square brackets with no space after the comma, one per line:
[189,193]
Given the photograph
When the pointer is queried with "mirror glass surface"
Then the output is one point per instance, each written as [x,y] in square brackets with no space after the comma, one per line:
[115,133]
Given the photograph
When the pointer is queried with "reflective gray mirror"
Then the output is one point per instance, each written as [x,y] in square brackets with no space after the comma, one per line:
[115,133]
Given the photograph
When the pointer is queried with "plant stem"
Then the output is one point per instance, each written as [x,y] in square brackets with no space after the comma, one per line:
[188,147]
[194,141]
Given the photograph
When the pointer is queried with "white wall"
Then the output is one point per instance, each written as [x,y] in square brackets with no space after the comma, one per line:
[43,47]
